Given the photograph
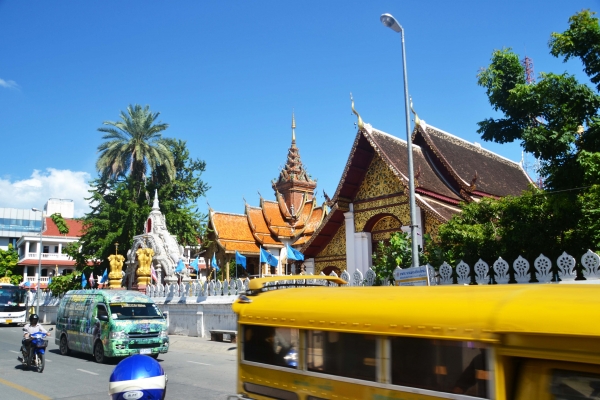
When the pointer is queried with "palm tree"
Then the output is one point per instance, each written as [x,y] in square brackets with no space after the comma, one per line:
[133,145]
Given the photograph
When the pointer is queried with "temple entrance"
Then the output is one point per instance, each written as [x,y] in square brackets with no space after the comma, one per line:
[381,227]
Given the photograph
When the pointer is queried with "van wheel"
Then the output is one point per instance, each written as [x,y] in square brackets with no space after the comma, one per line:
[99,353]
[155,356]
[64,345]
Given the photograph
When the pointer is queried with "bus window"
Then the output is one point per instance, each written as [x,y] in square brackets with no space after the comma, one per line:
[343,354]
[574,385]
[440,365]
[270,345]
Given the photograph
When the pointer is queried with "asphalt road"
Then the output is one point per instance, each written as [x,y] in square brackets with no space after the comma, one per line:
[196,368]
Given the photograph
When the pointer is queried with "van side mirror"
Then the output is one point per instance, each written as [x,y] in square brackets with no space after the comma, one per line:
[103,317]
[50,330]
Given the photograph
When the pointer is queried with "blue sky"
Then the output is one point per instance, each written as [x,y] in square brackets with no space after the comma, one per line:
[226,75]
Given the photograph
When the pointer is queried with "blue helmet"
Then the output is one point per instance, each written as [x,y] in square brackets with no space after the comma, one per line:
[138,377]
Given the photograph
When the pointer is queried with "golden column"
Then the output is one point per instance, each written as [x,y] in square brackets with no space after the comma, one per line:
[144,260]
[116,269]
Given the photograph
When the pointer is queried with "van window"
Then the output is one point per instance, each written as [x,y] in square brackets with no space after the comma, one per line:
[574,385]
[134,310]
[343,354]
[101,311]
[270,345]
[440,365]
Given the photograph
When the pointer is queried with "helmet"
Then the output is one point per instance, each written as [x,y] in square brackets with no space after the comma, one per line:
[33,319]
[138,377]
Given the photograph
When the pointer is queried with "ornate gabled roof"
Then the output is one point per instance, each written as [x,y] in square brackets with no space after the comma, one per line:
[233,232]
[476,170]
[441,171]
[288,217]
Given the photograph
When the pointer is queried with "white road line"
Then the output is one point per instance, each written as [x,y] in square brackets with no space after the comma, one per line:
[48,360]
[196,362]
[16,352]
[87,372]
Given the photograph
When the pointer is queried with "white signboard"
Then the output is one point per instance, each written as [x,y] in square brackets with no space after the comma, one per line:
[411,276]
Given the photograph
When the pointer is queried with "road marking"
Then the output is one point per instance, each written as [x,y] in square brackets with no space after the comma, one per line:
[25,390]
[195,362]
[16,352]
[87,372]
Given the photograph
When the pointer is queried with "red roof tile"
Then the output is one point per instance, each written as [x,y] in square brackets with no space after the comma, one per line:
[75,228]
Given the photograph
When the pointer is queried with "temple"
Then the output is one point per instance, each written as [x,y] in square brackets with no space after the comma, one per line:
[290,219]
[371,200]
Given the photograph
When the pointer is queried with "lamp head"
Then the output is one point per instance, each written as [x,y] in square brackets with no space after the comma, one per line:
[35,209]
[389,21]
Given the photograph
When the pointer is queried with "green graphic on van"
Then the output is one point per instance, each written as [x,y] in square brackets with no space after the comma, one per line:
[109,323]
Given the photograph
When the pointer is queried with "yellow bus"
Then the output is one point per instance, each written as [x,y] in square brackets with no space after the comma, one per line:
[537,341]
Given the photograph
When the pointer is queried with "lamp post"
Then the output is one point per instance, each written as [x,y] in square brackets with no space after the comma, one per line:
[389,21]
[39,273]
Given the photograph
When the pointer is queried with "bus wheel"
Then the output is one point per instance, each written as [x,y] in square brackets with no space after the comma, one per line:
[99,353]
[64,345]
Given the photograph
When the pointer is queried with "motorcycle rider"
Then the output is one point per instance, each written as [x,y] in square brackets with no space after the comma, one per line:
[32,327]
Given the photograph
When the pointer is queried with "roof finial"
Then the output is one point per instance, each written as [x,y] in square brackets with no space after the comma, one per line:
[360,121]
[155,204]
[293,127]
[417,120]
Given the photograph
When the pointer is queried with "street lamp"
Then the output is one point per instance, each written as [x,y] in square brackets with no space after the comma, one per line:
[37,286]
[389,21]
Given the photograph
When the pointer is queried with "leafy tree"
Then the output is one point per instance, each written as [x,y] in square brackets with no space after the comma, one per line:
[60,222]
[8,265]
[63,283]
[119,210]
[396,253]
[134,145]
[556,119]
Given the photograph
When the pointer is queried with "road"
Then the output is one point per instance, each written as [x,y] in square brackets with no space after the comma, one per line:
[196,368]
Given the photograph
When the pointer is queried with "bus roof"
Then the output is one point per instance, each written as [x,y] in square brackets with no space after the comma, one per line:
[114,296]
[450,312]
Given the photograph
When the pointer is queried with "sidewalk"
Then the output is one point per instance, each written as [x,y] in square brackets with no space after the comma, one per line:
[182,343]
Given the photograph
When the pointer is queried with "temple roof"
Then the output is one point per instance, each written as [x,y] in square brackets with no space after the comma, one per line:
[447,171]
[475,169]
[291,218]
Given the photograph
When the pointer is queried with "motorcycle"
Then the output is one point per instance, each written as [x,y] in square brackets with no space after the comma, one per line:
[34,353]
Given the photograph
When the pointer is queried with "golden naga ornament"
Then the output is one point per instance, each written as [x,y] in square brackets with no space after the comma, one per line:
[144,256]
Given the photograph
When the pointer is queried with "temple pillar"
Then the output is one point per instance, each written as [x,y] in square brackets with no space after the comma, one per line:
[309,264]
[363,250]
[350,252]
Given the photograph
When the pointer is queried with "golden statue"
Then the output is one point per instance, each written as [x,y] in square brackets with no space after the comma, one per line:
[144,256]
[116,270]
[5,279]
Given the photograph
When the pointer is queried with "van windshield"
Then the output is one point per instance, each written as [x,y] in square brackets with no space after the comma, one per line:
[134,310]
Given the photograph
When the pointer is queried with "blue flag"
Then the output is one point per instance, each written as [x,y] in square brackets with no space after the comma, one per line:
[194,264]
[180,267]
[27,284]
[294,254]
[104,276]
[213,262]
[240,259]
[266,257]
[83,281]
[50,280]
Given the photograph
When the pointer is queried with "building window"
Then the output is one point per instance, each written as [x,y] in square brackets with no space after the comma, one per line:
[46,249]
[56,249]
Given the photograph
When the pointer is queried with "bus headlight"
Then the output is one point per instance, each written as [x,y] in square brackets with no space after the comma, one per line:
[118,335]
[163,334]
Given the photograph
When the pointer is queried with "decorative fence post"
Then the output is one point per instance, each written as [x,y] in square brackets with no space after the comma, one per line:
[543,269]
[521,270]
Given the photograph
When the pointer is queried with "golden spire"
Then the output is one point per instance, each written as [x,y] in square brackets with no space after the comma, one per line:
[293,127]
[360,121]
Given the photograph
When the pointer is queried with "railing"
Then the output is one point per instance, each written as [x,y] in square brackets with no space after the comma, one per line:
[46,256]
[33,279]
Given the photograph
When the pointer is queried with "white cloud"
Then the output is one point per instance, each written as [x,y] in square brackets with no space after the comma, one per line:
[8,84]
[41,186]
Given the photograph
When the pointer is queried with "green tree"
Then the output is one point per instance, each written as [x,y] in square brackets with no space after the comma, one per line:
[119,210]
[395,253]
[62,284]
[556,119]
[8,265]
[134,145]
